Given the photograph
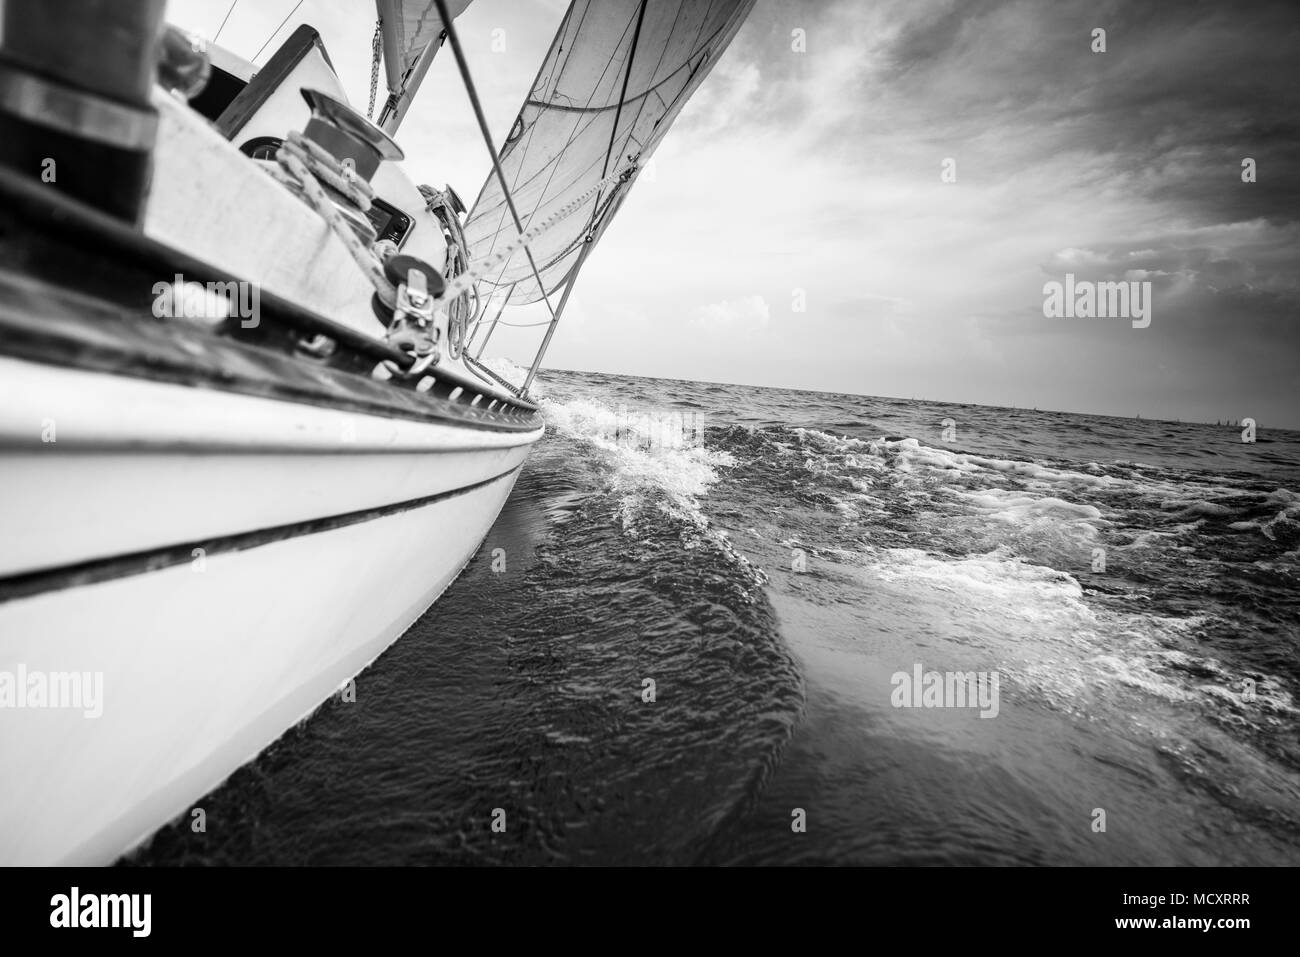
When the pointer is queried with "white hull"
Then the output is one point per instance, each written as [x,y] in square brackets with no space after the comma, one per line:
[216,525]
[321,536]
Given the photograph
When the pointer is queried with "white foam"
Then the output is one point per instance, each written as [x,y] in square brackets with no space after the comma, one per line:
[1017,507]
[1034,622]
[1282,496]
[512,373]
[908,454]
[1199,507]
[1284,525]
[640,463]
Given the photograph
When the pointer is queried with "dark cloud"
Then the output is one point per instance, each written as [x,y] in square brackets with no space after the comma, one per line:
[1182,94]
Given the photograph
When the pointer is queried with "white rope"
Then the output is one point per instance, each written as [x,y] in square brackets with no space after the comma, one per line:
[466,280]
[323,205]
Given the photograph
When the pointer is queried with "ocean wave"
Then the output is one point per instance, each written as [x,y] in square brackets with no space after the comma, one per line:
[1036,623]
[643,469]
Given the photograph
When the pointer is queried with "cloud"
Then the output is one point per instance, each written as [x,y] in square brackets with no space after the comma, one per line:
[733,317]
[723,100]
[820,171]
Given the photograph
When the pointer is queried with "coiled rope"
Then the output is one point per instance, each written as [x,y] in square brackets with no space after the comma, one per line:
[462,309]
[305,168]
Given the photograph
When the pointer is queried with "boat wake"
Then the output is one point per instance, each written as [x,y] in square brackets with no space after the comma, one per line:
[1106,596]
[666,647]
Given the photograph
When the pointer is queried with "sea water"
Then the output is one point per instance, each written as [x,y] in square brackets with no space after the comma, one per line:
[676,652]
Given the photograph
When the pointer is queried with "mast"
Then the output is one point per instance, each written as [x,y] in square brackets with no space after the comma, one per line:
[399,101]
[412,32]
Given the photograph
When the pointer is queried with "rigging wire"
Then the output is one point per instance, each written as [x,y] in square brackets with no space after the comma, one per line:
[492,328]
[278,29]
[622,96]
[223,22]
[465,280]
[472,93]
[573,133]
[588,112]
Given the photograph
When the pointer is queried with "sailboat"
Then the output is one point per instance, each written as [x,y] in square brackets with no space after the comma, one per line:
[247,434]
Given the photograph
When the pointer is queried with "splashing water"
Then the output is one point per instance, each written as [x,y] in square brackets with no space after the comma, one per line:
[1132,584]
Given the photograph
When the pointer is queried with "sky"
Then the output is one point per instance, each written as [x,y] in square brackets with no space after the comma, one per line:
[796,227]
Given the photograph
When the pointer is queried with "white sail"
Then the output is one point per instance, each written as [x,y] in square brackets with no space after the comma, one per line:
[616,76]
[408,27]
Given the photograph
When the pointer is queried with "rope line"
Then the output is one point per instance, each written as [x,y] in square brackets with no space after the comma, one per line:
[292,162]
[376,54]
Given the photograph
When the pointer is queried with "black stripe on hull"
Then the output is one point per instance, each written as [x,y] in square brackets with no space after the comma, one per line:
[138,563]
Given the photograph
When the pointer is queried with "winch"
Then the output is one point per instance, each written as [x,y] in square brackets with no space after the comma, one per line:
[413,325]
[349,137]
